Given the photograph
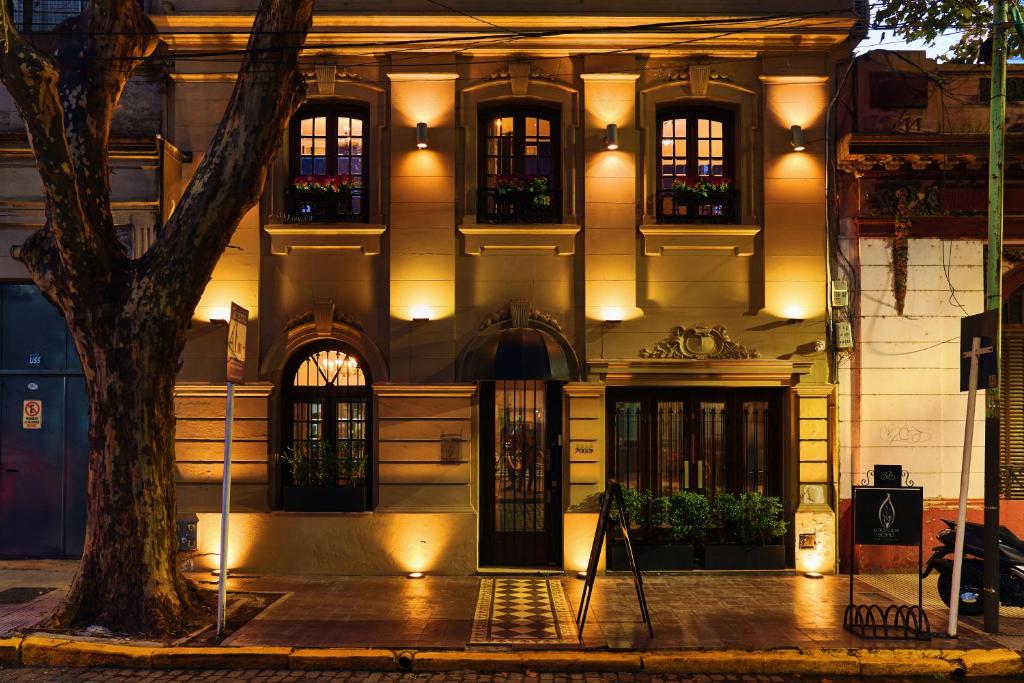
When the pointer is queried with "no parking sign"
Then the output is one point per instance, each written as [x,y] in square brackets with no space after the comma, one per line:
[32,414]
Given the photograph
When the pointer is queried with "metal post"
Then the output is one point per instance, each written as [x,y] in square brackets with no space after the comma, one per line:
[994,301]
[965,479]
[225,508]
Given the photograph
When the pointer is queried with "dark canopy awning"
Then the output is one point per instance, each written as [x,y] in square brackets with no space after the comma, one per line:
[520,353]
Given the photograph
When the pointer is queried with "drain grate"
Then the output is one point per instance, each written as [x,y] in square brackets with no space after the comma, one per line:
[20,594]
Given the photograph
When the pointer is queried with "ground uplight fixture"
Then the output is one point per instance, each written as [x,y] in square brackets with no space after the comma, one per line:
[611,136]
[581,575]
[796,138]
[415,575]
[421,314]
[421,135]
[814,575]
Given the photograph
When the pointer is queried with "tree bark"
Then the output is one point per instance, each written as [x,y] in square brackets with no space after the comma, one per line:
[129,579]
[129,319]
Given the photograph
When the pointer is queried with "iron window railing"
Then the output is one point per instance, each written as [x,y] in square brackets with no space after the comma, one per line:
[314,206]
[519,206]
[718,207]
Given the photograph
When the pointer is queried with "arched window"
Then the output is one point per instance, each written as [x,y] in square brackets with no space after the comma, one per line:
[326,430]
[329,174]
[695,166]
[519,172]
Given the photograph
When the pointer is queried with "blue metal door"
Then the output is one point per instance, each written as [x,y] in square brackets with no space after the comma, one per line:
[43,430]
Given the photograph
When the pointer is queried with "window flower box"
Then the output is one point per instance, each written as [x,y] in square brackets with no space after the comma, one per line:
[325,498]
[325,198]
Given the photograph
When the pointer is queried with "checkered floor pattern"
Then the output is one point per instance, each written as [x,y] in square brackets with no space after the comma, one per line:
[523,612]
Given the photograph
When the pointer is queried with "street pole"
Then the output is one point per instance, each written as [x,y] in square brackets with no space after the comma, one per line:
[225,512]
[994,302]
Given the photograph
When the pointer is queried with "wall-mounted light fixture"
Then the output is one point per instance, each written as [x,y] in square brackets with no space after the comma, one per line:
[796,138]
[421,313]
[218,321]
[421,135]
[611,136]
[415,575]
[611,315]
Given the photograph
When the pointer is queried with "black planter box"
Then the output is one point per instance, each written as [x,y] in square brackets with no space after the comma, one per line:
[325,498]
[735,556]
[651,556]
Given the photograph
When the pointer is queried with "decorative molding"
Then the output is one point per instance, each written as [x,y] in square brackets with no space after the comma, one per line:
[748,372]
[416,76]
[424,391]
[323,316]
[699,76]
[505,313]
[326,75]
[699,343]
[206,390]
[481,238]
[285,238]
[519,74]
[661,239]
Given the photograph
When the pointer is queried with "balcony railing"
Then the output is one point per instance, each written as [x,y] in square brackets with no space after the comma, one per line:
[314,206]
[519,206]
[717,207]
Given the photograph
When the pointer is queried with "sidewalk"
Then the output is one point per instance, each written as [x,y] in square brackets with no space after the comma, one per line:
[695,612]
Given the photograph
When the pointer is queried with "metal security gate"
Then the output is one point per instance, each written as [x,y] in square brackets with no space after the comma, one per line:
[521,510]
[43,430]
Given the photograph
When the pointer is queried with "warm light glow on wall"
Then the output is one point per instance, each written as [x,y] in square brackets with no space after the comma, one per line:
[418,547]
[794,312]
[800,298]
[422,312]
[612,314]
[796,102]
[578,530]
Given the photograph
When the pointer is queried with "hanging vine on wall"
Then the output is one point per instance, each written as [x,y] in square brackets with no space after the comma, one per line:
[900,250]
[901,201]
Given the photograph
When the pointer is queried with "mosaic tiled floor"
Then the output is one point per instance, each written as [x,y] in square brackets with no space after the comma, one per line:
[523,612]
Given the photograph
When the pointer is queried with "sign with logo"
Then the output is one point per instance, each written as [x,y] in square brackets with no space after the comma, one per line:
[236,344]
[32,414]
[887,516]
[888,475]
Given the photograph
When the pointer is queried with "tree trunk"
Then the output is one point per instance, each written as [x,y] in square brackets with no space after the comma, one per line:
[129,579]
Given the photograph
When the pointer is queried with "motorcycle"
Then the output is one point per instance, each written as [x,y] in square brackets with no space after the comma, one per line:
[1011,567]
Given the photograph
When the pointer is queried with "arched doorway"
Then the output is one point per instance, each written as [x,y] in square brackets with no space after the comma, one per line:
[520,370]
[325,430]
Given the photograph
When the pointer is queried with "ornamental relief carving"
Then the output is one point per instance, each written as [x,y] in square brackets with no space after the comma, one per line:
[699,343]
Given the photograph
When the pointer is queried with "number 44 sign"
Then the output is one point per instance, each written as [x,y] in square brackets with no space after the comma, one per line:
[32,414]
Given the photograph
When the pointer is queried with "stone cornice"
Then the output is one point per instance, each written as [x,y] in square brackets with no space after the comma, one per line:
[719,372]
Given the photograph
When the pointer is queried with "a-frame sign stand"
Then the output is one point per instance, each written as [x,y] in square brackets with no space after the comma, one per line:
[613,493]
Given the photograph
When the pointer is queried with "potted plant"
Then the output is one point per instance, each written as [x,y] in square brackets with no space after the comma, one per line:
[666,529]
[325,478]
[522,195]
[322,195]
[703,189]
[752,523]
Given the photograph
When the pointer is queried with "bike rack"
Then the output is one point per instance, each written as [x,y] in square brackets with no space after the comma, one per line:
[893,622]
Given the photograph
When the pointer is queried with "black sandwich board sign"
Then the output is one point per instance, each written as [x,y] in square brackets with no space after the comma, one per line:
[887,513]
[612,494]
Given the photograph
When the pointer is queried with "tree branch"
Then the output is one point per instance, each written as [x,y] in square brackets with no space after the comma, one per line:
[230,178]
[103,48]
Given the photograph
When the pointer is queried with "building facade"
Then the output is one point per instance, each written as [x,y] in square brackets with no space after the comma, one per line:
[502,256]
[913,132]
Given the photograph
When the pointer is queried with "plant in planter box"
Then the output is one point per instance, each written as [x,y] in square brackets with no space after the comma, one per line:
[753,522]
[689,188]
[322,195]
[531,191]
[325,477]
[661,529]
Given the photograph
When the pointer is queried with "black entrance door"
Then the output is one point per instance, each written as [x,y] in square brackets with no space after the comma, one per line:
[521,508]
[43,430]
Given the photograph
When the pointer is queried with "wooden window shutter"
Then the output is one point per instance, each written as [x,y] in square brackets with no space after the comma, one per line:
[1012,409]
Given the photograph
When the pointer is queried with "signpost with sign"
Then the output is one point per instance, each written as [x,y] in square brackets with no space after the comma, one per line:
[235,375]
[977,371]
[887,513]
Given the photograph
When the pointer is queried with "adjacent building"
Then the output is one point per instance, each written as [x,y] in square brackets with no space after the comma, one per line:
[559,243]
[913,145]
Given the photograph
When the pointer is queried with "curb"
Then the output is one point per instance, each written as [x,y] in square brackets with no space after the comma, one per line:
[47,650]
